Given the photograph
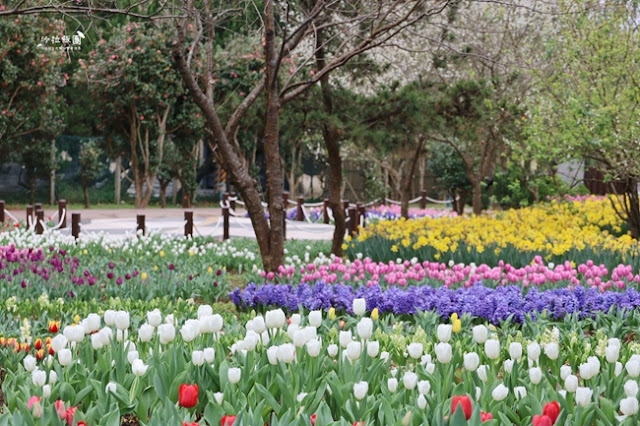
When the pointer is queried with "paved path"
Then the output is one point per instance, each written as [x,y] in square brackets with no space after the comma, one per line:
[207,222]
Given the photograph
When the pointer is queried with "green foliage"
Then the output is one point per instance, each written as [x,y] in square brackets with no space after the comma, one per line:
[510,188]
[90,161]
[448,168]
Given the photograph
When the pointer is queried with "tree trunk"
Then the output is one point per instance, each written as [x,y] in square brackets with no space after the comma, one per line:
[271,144]
[230,159]
[163,193]
[85,191]
[408,180]
[116,179]
[52,176]
[476,196]
[32,188]
[331,140]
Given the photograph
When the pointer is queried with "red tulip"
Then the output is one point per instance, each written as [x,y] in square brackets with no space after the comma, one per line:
[227,420]
[485,416]
[552,410]
[358,423]
[313,419]
[61,409]
[464,402]
[188,395]
[81,423]
[539,420]
[71,411]
[190,424]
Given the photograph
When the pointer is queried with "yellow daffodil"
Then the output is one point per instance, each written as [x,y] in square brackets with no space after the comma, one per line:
[374,314]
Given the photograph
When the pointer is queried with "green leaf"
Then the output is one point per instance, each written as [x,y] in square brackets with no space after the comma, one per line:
[458,418]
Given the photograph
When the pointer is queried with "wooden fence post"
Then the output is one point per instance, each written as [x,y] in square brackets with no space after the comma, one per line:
[423,199]
[62,213]
[39,221]
[300,212]
[141,226]
[225,223]
[326,210]
[1,211]
[188,227]
[75,225]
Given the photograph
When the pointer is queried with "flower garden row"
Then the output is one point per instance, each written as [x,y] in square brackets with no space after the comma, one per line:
[314,367]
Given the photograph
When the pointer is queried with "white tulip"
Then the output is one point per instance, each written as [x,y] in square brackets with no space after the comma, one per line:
[424,386]
[74,333]
[197,358]
[612,353]
[633,367]
[204,311]
[422,402]
[492,349]
[478,393]
[571,383]
[234,375]
[259,326]
[295,319]
[314,346]
[425,359]
[292,329]
[153,317]
[565,371]
[111,387]
[552,350]
[38,377]
[167,333]
[46,391]
[482,373]
[218,396]
[629,405]
[272,355]
[535,375]
[373,347]
[64,357]
[59,342]
[520,392]
[315,318]
[275,318]
[500,392]
[480,334]
[430,367]
[132,356]
[110,317]
[365,328]
[410,380]
[53,377]
[515,351]
[471,361]
[392,384]
[188,333]
[618,368]
[631,388]
[145,333]
[415,350]
[384,355]
[344,338]
[122,335]
[301,396]
[360,390]
[209,355]
[332,350]
[443,352]
[29,363]
[139,368]
[583,396]
[444,332]
[92,323]
[170,319]
[354,349]
[359,306]
[299,338]
[286,353]
[615,342]
[122,320]
[533,351]
[105,335]
[508,365]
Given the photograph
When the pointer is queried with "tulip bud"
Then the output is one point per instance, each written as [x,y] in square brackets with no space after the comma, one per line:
[204,311]
[618,369]
[415,350]
[29,363]
[612,353]
[410,379]
[443,352]
[422,402]
[92,323]
[520,392]
[565,371]
[480,334]
[359,306]
[275,318]
[315,318]
[392,384]
[272,355]
[492,349]
[629,405]
[122,320]
[424,386]
[46,391]
[482,373]
[197,358]
[345,338]
[533,351]
[471,361]
[166,332]
[111,387]
[64,357]
[259,326]
[314,347]
[132,356]
[535,375]
[234,375]
[571,383]
[508,365]
[515,351]
[444,332]
[332,350]
[360,390]
[373,347]
[353,350]
[286,353]
[500,392]
[139,368]
[551,350]
[583,396]
[365,328]
[631,388]
[218,396]
[145,333]
[38,377]
[153,317]
[110,317]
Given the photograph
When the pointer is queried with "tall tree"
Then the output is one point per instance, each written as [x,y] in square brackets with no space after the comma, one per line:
[588,102]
